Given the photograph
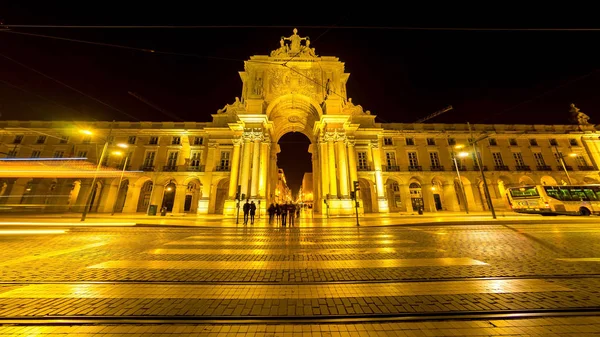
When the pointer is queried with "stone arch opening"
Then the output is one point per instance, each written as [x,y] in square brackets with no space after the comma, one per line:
[416,195]
[548,180]
[365,194]
[393,194]
[145,194]
[222,190]
[193,193]
[169,196]
[295,162]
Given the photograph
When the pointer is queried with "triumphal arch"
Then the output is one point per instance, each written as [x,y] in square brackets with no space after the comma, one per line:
[295,90]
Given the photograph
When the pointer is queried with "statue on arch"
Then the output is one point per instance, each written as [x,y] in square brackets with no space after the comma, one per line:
[236,104]
[295,41]
[578,116]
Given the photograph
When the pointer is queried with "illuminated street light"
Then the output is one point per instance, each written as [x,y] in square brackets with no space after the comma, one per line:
[120,153]
[86,132]
[461,154]
[486,190]
[562,162]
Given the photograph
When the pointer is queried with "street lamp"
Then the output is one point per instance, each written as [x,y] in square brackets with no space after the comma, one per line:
[120,153]
[562,162]
[461,154]
[486,190]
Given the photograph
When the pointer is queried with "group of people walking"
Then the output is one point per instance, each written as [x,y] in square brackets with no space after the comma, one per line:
[284,214]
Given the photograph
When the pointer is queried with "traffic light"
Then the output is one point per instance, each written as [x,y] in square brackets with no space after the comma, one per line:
[356,187]
[237,192]
[352,195]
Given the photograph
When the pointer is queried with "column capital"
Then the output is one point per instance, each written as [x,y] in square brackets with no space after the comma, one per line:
[374,144]
[212,145]
[329,136]
[350,141]
[237,141]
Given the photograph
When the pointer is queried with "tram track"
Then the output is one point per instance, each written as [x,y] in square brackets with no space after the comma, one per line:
[306,319]
[449,279]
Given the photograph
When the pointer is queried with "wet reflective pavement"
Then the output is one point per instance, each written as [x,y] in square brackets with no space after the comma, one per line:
[506,278]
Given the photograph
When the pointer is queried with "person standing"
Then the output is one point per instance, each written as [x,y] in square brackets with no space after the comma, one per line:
[271,211]
[252,212]
[246,211]
[284,213]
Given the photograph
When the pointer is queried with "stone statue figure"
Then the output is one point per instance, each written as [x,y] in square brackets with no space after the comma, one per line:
[236,104]
[578,116]
[295,41]
[258,86]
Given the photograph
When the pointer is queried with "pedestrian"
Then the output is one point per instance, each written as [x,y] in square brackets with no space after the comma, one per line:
[292,213]
[284,210]
[252,212]
[246,211]
[271,211]
[277,212]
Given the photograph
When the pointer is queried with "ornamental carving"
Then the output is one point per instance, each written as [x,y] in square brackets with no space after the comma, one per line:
[292,47]
[233,107]
[352,109]
[283,81]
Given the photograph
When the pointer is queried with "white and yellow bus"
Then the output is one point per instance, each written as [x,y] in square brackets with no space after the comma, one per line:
[555,200]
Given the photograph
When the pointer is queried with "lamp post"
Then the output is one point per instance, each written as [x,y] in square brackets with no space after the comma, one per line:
[562,162]
[462,187]
[473,143]
[92,189]
[119,153]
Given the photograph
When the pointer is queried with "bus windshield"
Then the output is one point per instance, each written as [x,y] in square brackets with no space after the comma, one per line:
[524,192]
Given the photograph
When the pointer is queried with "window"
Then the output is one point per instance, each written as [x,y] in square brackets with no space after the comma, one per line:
[149,159]
[434,158]
[390,159]
[492,141]
[224,163]
[533,142]
[412,159]
[497,159]
[41,140]
[553,142]
[362,161]
[12,153]
[451,141]
[82,154]
[131,140]
[558,156]
[581,161]
[153,140]
[35,154]
[573,142]
[539,159]
[195,159]
[172,159]
[59,154]
[18,139]
[518,156]
[198,140]
[387,141]
[176,140]
[87,140]
[410,141]
[513,142]
[64,139]
[430,141]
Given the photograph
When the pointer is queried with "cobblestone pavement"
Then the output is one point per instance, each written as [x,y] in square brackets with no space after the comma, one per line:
[297,281]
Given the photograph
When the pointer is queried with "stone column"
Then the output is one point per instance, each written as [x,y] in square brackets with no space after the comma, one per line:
[376,152]
[157,195]
[450,197]
[332,170]
[15,190]
[352,160]
[343,166]
[210,157]
[132,199]
[324,169]
[246,165]
[235,168]
[255,167]
[427,192]
[180,192]
[82,198]
[406,198]
[264,165]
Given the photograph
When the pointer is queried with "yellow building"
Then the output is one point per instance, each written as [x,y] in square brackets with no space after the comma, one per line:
[191,167]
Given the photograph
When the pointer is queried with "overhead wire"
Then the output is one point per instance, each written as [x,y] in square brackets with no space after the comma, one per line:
[68,86]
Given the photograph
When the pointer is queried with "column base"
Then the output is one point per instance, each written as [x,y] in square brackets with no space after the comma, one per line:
[230,208]
[342,207]
[384,207]
[202,206]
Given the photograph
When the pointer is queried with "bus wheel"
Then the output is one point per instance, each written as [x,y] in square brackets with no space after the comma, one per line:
[584,211]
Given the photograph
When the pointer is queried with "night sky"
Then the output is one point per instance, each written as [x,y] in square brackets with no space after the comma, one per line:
[400,75]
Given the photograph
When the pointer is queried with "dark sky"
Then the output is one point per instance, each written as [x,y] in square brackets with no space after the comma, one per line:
[400,75]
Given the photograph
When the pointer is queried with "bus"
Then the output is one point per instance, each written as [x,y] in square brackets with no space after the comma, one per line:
[555,200]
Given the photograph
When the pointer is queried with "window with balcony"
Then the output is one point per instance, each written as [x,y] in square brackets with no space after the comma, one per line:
[553,142]
[513,142]
[434,159]
[388,141]
[498,161]
[59,154]
[195,160]
[64,139]
[519,162]
[171,161]
[198,141]
[451,141]
[390,160]
[131,140]
[573,142]
[410,141]
[492,142]
[18,139]
[149,161]
[153,140]
[539,161]
[430,141]
[82,154]
[533,142]
[363,163]
[41,140]
[413,161]
[88,139]
[12,153]
[35,154]
[176,140]
[581,162]
[224,162]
